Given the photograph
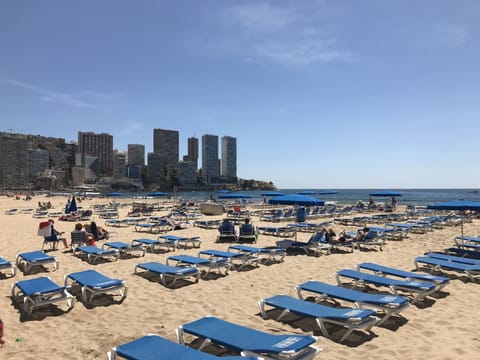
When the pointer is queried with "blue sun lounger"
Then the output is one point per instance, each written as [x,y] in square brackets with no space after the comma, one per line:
[233,257]
[26,260]
[453,258]
[439,281]
[40,291]
[418,290]
[437,264]
[124,248]
[200,263]
[94,253]
[94,283]
[7,265]
[153,347]
[463,252]
[167,272]
[350,318]
[182,241]
[390,304]
[245,340]
[265,254]
[152,245]
[207,224]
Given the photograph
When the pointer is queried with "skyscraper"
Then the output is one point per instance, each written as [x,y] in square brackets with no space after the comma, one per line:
[99,145]
[165,143]
[119,164]
[136,155]
[192,151]
[229,158]
[210,163]
[13,160]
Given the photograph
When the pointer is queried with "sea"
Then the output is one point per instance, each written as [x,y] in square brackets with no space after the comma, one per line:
[412,197]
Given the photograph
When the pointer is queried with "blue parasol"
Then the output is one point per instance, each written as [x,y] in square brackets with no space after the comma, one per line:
[234,196]
[296,199]
[115,194]
[327,192]
[272,193]
[307,192]
[385,193]
[157,194]
[458,205]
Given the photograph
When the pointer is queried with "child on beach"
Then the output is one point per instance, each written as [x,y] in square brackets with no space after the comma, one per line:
[2,342]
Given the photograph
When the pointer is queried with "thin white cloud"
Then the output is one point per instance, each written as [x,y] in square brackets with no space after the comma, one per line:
[452,34]
[302,53]
[259,16]
[72,100]
[284,34]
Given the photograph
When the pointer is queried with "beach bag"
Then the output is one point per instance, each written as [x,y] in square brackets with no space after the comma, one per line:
[44,229]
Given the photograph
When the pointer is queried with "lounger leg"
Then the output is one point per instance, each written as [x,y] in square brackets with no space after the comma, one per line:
[322,328]
[179,332]
[261,305]
[346,335]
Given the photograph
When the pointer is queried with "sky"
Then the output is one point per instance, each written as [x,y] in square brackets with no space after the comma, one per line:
[323,94]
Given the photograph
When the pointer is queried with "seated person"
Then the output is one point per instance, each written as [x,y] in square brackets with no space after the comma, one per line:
[81,236]
[345,237]
[226,227]
[55,236]
[247,228]
[98,232]
[330,235]
[176,224]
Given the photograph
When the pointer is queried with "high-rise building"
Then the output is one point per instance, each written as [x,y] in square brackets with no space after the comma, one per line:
[229,158]
[210,163]
[187,173]
[166,142]
[13,160]
[156,168]
[192,155]
[136,155]
[99,145]
[119,164]
[37,162]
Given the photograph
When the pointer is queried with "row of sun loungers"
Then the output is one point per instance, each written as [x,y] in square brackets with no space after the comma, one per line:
[183,267]
[250,342]
[41,291]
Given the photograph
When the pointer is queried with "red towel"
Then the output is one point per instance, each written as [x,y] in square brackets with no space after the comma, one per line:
[44,229]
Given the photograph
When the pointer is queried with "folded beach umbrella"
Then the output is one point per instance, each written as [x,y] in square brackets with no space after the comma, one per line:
[73,205]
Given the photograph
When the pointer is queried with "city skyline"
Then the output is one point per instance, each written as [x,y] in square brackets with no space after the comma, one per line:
[319,93]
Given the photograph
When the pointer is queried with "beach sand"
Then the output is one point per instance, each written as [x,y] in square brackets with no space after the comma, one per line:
[442,327]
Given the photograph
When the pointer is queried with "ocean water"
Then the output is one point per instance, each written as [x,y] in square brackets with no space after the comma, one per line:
[350,196]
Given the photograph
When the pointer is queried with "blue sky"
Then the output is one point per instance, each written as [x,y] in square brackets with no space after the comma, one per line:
[319,94]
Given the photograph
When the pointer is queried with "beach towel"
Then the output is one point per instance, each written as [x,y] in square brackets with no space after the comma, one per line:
[44,229]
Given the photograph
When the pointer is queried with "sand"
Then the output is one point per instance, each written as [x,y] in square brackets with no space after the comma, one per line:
[444,326]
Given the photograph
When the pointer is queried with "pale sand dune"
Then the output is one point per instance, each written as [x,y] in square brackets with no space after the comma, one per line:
[445,327]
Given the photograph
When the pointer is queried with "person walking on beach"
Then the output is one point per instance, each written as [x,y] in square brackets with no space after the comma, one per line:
[394,203]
